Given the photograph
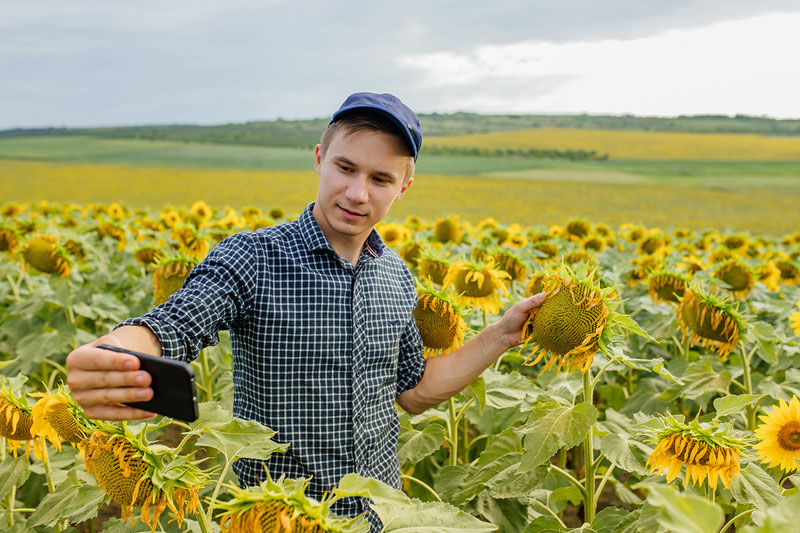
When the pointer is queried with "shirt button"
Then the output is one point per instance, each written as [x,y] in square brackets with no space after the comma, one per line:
[358,372]
[359,418]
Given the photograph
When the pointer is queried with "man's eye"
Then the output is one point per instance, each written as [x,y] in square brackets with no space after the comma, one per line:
[344,168]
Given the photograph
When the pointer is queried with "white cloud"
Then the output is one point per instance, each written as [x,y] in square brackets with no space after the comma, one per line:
[745,66]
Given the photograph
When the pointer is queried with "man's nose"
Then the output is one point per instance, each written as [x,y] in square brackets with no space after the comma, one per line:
[357,190]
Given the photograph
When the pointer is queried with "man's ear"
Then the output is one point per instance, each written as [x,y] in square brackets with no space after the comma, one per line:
[406,185]
[317,159]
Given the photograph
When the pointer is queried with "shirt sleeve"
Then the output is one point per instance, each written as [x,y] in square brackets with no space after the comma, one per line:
[411,364]
[216,295]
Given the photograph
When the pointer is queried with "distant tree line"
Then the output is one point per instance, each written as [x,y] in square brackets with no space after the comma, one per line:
[572,155]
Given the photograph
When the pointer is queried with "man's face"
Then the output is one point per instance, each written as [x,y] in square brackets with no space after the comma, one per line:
[361,175]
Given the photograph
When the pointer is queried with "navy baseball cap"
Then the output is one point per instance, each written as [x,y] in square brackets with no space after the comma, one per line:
[391,106]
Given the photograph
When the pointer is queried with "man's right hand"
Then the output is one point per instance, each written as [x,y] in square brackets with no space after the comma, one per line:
[101,380]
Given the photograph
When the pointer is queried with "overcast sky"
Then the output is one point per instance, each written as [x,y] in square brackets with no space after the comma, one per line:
[208,62]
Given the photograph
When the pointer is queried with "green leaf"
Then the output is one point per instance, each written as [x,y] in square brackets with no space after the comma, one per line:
[377,491]
[72,501]
[609,519]
[210,414]
[414,445]
[478,390]
[241,438]
[13,473]
[732,404]
[699,383]
[754,486]
[544,524]
[509,390]
[627,452]
[685,513]
[781,518]
[655,365]
[118,525]
[551,428]
[429,517]
[644,518]
[764,334]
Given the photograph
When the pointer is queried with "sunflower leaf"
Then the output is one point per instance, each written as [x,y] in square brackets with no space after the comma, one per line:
[551,428]
[735,403]
[13,473]
[754,486]
[72,501]
[684,512]
[241,438]
[414,445]
[764,334]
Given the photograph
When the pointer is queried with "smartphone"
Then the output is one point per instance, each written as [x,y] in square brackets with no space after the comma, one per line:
[174,392]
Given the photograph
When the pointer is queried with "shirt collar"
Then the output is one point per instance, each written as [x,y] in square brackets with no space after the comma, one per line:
[315,239]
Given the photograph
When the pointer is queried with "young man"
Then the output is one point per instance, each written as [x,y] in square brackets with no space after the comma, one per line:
[320,314]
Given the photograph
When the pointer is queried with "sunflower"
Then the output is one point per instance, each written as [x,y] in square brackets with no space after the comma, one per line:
[779,436]
[439,321]
[568,325]
[45,255]
[282,507]
[737,275]
[737,243]
[76,250]
[535,284]
[511,264]
[169,275]
[393,234]
[544,252]
[200,213]
[115,211]
[794,320]
[593,243]
[12,210]
[190,242]
[654,245]
[171,218]
[643,267]
[231,220]
[633,233]
[667,286]
[479,284]
[707,450]
[58,417]
[112,231]
[411,253]
[132,474]
[433,267]
[691,263]
[710,321]
[790,275]
[770,275]
[148,255]
[16,421]
[447,230]
[577,229]
[9,240]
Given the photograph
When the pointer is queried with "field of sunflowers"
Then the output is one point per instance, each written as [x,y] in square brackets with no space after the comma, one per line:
[656,390]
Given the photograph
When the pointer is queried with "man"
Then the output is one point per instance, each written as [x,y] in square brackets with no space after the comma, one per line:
[320,314]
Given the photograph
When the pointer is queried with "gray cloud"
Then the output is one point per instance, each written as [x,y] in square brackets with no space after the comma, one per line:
[104,63]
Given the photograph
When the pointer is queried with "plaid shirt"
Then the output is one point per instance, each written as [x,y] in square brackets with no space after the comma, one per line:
[321,349]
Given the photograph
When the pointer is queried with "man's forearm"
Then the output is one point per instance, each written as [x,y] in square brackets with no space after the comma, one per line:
[448,374]
[137,338]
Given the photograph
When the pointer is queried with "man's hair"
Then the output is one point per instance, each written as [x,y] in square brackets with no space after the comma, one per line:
[363,120]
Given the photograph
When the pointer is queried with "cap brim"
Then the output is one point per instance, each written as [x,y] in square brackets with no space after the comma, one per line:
[394,118]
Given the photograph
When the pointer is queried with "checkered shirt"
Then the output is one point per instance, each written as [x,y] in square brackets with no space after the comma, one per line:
[321,349]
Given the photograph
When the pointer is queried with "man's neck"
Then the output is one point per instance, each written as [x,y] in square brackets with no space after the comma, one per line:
[347,246]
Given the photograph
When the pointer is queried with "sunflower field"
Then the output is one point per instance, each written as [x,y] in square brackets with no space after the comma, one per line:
[656,389]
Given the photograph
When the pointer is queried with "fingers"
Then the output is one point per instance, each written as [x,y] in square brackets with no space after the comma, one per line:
[101,397]
[117,412]
[531,304]
[90,358]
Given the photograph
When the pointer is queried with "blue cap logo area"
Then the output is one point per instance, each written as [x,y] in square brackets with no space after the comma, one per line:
[399,113]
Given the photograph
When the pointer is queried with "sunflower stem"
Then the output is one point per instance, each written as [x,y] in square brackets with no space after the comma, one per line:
[202,519]
[550,511]
[735,518]
[422,484]
[602,484]
[453,430]
[748,388]
[569,477]
[46,461]
[212,502]
[588,450]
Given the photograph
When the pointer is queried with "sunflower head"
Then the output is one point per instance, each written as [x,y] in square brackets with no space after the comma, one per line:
[710,320]
[568,325]
[593,243]
[653,245]
[707,450]
[116,211]
[544,251]
[58,417]
[447,230]
[131,472]
[283,506]
[148,255]
[576,229]
[169,275]
[393,234]
[190,242]
[511,264]
[16,421]
[433,267]
[411,253]
[479,285]
[45,255]
[667,286]
[779,436]
[439,321]
[691,263]
[790,274]
[738,276]
[9,239]
[721,255]
[642,268]
[170,218]
[735,242]
[535,284]
[200,214]
[12,210]
[76,249]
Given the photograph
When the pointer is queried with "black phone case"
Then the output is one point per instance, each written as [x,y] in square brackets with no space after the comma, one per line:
[174,393]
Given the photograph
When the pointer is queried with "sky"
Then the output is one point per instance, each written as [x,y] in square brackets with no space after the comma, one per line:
[101,63]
